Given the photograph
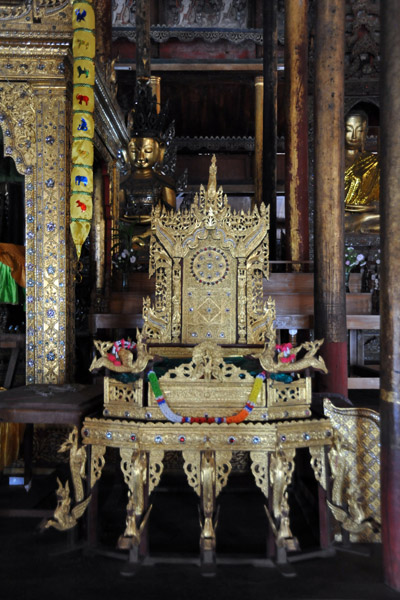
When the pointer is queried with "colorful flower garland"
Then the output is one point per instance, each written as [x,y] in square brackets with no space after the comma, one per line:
[285,349]
[238,418]
[113,356]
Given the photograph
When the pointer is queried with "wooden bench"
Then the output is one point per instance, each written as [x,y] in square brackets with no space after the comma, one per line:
[15,342]
[47,404]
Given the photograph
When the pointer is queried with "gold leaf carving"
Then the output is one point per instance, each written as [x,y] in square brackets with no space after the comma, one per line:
[318,465]
[259,468]
[97,463]
[223,468]
[191,466]
[156,467]
[20,122]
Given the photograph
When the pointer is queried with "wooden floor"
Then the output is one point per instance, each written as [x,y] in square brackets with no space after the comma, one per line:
[37,565]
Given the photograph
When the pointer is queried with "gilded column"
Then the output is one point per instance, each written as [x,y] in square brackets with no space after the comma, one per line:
[34,115]
[330,299]
[296,134]
[390,292]
[50,295]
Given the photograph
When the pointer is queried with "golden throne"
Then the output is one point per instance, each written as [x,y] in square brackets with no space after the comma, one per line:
[207,378]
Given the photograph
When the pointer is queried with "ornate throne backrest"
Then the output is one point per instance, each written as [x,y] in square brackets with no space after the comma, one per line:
[209,262]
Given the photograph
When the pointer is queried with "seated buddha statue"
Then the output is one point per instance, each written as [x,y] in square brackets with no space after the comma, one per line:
[148,182]
[361,180]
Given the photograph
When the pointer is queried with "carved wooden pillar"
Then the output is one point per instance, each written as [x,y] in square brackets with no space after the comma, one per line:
[390,292]
[103,10]
[258,141]
[330,298]
[296,134]
[143,59]
[269,119]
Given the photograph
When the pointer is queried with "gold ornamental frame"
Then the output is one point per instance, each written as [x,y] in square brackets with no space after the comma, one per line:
[35,116]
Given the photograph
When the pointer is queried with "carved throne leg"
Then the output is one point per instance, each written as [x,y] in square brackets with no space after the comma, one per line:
[134,467]
[207,502]
[142,472]
[207,473]
[96,462]
[280,475]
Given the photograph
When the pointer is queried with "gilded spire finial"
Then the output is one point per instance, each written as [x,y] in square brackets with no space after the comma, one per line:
[212,179]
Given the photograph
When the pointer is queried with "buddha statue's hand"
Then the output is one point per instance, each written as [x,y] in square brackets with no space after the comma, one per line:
[140,241]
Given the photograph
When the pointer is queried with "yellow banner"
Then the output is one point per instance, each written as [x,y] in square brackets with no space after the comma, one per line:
[84,71]
[81,206]
[82,125]
[83,98]
[82,179]
[80,231]
[82,152]
[82,16]
[84,44]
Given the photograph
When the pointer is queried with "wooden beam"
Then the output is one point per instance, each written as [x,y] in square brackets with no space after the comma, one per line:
[363,383]
[330,298]
[296,125]
[390,291]
[143,60]
[269,116]
[158,65]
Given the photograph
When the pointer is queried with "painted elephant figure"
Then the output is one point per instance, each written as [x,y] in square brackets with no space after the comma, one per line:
[81,98]
[81,179]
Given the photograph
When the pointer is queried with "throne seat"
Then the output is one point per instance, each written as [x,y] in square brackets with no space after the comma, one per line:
[205,376]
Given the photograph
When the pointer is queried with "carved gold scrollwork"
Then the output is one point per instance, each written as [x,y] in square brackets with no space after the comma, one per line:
[318,464]
[97,463]
[156,467]
[176,300]
[224,468]
[259,468]
[241,300]
[21,139]
[191,466]
[207,364]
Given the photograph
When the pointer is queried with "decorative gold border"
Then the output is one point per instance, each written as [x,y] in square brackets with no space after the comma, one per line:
[34,117]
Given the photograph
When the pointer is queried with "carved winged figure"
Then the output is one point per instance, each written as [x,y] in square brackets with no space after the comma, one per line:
[271,362]
[64,517]
[126,363]
[353,520]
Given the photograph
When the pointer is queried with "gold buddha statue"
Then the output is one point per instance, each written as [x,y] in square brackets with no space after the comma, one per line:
[149,181]
[361,180]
